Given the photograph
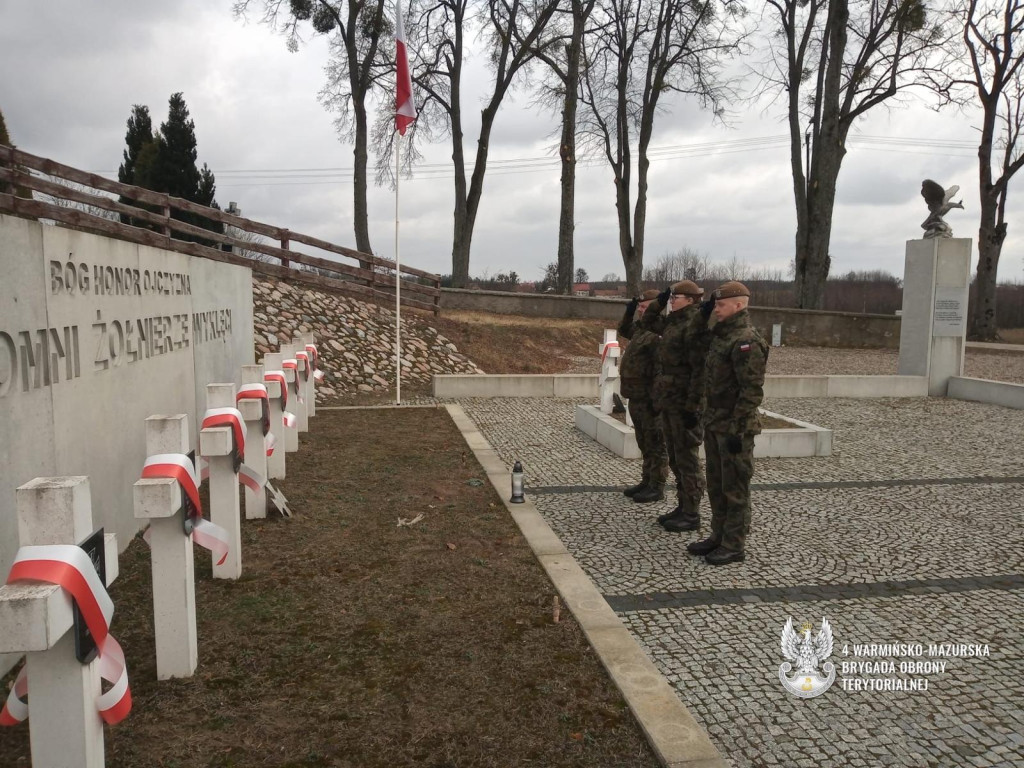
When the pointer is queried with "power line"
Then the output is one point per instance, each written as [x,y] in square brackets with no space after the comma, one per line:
[270,177]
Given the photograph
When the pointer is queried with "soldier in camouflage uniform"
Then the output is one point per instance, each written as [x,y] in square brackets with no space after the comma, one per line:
[678,388]
[733,390]
[636,375]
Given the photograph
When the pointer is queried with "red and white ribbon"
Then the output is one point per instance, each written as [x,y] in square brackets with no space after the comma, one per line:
[246,475]
[304,357]
[293,365]
[269,443]
[212,537]
[318,374]
[608,346]
[70,568]
[249,477]
[257,392]
[177,466]
[278,376]
[227,417]
[289,419]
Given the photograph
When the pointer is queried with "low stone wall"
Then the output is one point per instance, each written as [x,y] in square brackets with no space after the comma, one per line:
[800,327]
[984,391]
[356,340]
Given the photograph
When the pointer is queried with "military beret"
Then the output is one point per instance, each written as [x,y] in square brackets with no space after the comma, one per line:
[650,295]
[687,288]
[731,290]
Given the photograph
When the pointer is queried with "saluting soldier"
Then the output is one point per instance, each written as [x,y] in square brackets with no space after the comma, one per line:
[636,377]
[733,390]
[678,389]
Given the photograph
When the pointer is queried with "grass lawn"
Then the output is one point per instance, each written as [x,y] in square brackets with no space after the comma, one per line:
[352,641]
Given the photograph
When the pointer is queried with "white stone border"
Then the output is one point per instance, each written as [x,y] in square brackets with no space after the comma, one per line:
[585,385]
[803,441]
[674,735]
[986,391]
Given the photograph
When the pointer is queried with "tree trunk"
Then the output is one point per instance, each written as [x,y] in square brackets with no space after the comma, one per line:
[633,264]
[814,230]
[360,208]
[984,323]
[567,210]
[567,152]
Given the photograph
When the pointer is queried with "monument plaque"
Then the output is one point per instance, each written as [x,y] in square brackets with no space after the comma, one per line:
[948,318]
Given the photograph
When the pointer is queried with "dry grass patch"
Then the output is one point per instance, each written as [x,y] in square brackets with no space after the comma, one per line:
[350,641]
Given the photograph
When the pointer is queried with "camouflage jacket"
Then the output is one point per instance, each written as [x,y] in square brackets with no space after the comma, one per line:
[734,377]
[679,371]
[636,367]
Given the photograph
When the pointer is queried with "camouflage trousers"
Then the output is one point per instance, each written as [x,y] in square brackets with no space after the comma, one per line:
[683,458]
[729,489]
[649,439]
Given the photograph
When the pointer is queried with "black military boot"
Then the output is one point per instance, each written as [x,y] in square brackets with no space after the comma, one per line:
[633,490]
[653,492]
[682,522]
[668,515]
[723,556]
[703,546]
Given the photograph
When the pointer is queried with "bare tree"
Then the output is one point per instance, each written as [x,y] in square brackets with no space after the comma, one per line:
[683,264]
[989,71]
[637,52]
[356,30]
[512,31]
[835,60]
[562,54]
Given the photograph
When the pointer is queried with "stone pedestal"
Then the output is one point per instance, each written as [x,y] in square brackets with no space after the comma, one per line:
[936,280]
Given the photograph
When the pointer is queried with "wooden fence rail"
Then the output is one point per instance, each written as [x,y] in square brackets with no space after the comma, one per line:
[371,279]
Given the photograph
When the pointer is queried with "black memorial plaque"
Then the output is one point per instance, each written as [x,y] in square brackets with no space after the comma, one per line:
[85,643]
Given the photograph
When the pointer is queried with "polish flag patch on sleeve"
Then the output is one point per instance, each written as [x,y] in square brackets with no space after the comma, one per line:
[745,347]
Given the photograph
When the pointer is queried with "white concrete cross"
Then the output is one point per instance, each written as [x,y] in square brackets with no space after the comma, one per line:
[608,383]
[275,393]
[65,727]
[160,500]
[217,446]
[300,409]
[274,361]
[255,450]
[300,342]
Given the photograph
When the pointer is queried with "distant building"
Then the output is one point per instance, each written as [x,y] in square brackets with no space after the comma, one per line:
[581,289]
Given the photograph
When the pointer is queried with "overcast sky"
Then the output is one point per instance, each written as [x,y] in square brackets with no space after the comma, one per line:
[73,70]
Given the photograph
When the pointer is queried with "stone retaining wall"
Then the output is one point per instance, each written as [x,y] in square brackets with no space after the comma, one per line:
[800,327]
[356,340]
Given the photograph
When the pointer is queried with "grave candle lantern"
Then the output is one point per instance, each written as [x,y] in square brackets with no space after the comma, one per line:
[517,484]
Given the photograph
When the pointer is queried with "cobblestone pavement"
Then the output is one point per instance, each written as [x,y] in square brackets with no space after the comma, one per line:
[911,532]
[998,366]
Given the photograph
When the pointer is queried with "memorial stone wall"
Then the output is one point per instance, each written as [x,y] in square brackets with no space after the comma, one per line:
[96,335]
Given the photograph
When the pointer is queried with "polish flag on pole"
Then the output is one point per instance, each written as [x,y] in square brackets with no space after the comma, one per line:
[405,107]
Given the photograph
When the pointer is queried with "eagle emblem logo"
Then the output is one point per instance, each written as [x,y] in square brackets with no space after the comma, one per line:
[806,654]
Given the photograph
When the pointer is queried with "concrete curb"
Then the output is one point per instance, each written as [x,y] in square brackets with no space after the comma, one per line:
[674,735]
[373,407]
[460,385]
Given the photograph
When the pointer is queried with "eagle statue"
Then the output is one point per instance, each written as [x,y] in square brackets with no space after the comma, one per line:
[940,202]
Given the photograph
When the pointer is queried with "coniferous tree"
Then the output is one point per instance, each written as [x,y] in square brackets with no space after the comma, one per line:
[165,161]
[5,139]
[139,141]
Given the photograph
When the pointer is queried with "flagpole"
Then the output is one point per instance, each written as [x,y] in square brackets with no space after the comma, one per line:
[398,285]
